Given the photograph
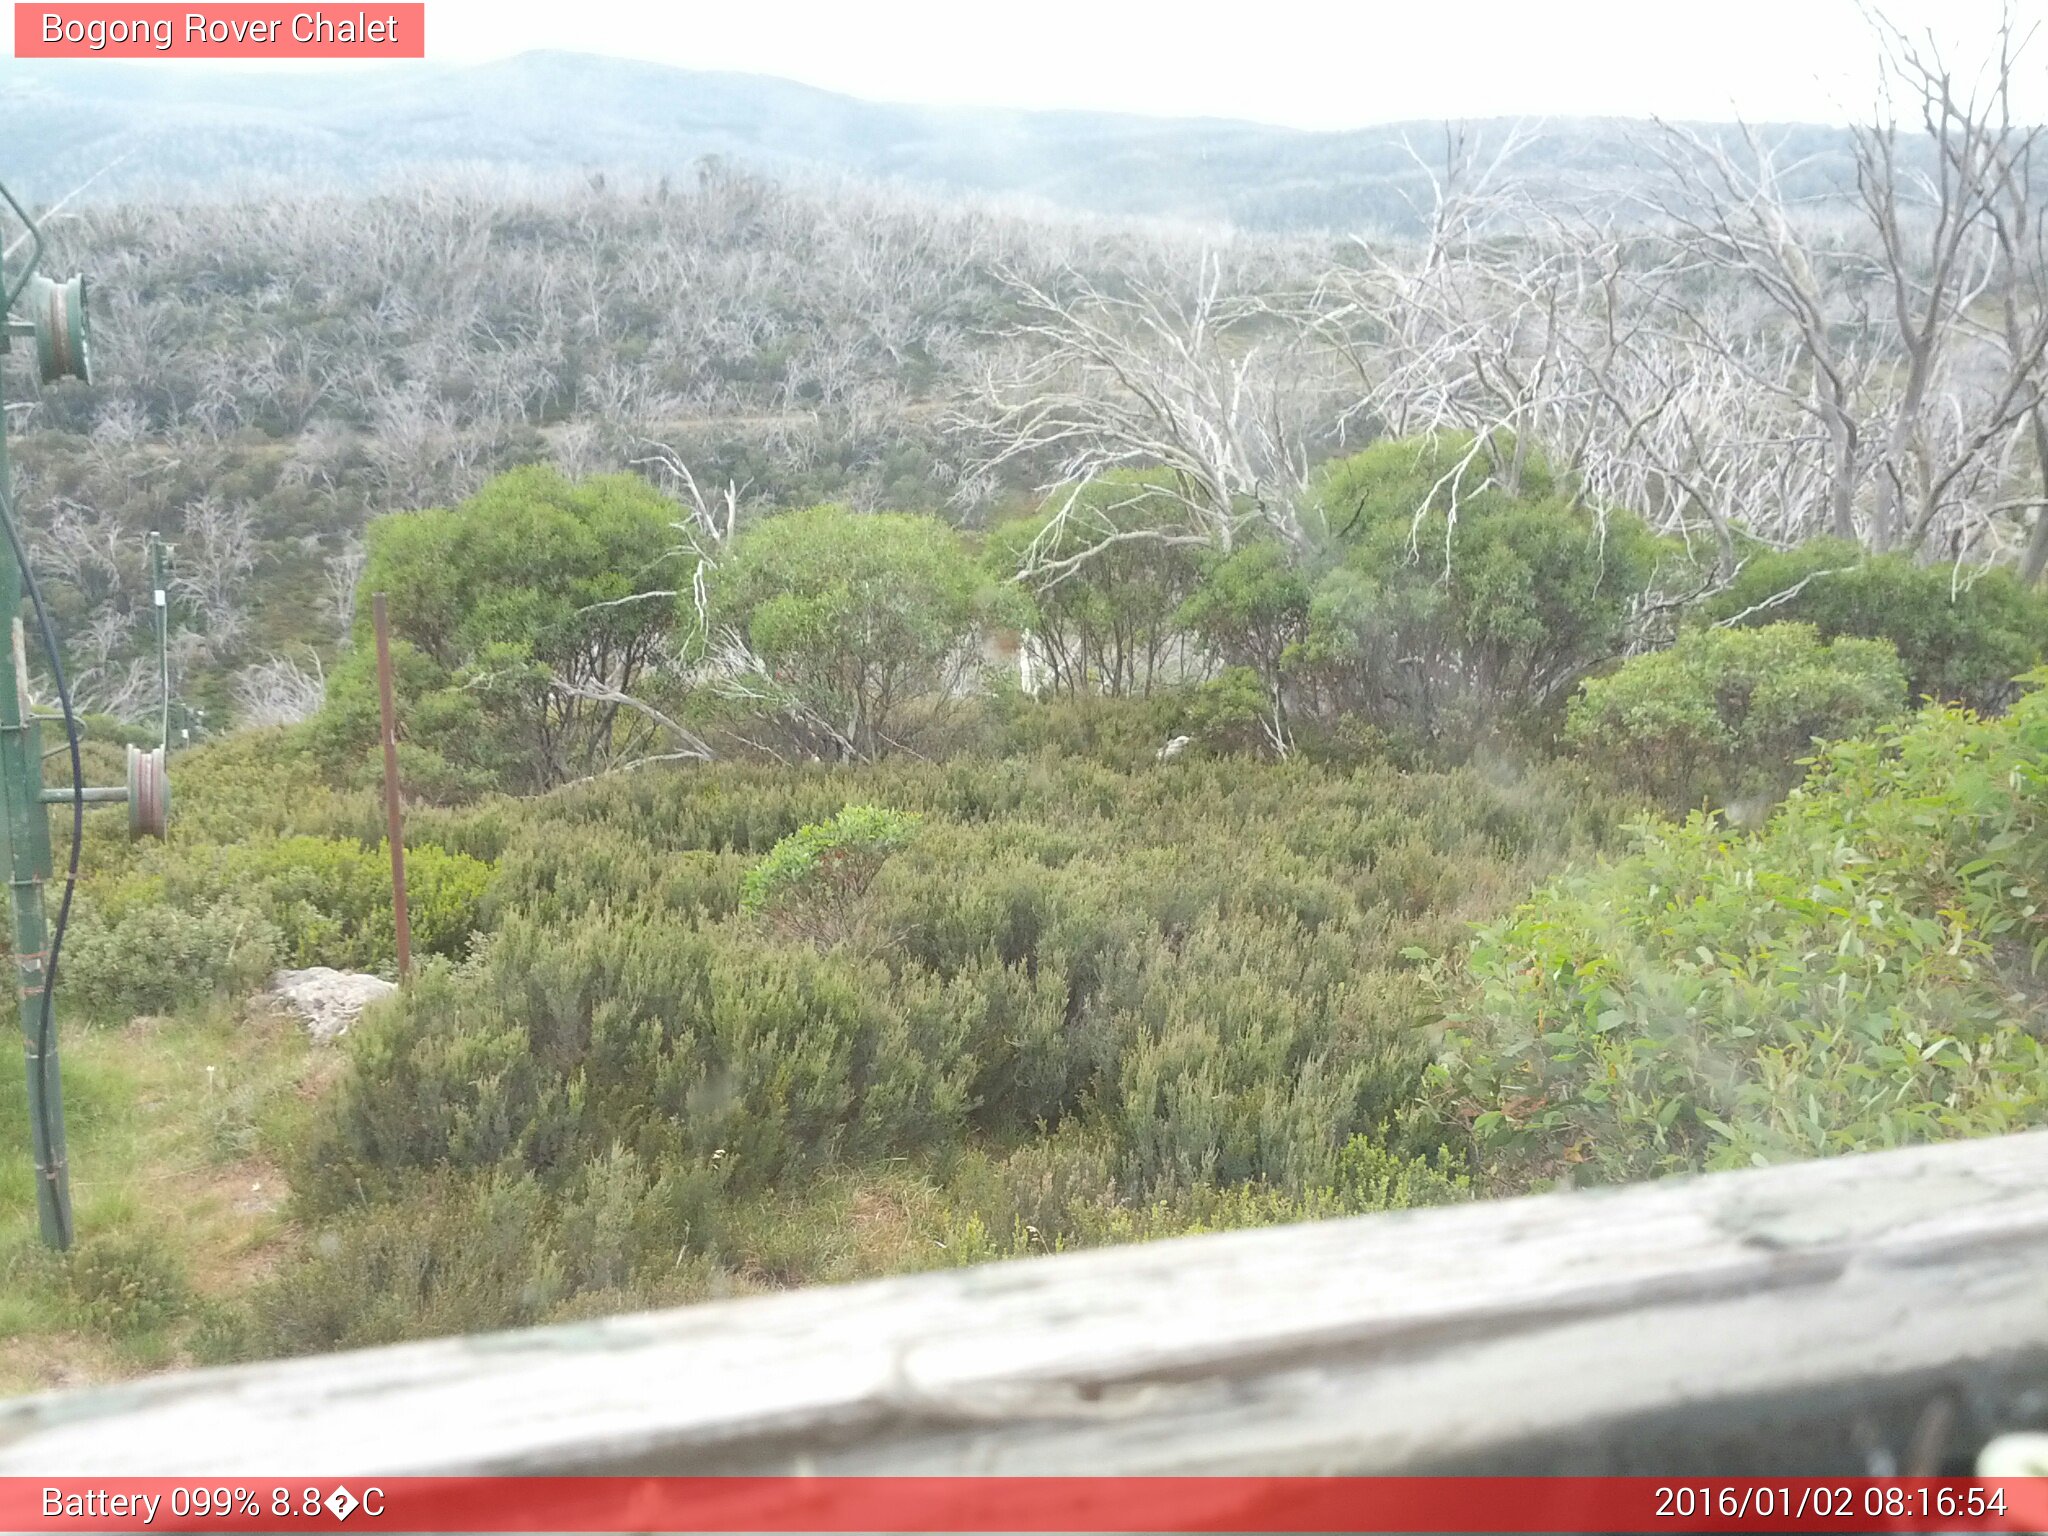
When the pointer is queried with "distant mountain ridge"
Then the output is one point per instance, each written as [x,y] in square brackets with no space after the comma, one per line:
[174,130]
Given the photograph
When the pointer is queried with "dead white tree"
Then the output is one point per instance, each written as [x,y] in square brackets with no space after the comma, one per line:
[1683,434]
[107,678]
[1937,227]
[215,556]
[278,691]
[87,549]
[1461,332]
[1728,208]
[1878,310]
[1527,327]
[706,525]
[340,577]
[2022,234]
[1201,384]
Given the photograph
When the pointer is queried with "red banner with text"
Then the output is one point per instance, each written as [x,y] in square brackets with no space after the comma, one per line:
[229,31]
[1024,1504]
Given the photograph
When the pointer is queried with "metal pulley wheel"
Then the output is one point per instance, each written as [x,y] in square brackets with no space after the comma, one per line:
[149,793]
[58,311]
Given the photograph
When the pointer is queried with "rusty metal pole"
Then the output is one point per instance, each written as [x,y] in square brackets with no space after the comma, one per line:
[392,820]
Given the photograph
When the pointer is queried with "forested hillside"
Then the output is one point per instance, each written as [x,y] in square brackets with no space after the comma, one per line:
[188,133]
[931,734]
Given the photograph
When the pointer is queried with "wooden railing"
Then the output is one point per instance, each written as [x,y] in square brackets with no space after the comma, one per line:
[1871,1314]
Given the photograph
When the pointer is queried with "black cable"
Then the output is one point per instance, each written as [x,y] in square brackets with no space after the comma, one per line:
[46,1027]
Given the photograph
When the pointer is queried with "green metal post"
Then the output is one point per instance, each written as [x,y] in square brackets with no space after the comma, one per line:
[161,598]
[25,828]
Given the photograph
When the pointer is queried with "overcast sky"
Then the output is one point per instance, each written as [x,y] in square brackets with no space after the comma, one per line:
[1312,65]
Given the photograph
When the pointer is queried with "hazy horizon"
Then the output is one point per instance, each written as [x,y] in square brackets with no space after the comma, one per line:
[1307,66]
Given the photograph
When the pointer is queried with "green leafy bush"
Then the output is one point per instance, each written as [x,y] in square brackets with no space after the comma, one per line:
[466,1253]
[1231,712]
[458,1256]
[853,617]
[1118,562]
[155,957]
[1121,733]
[128,1283]
[1453,607]
[450,752]
[1724,716]
[327,900]
[332,899]
[1251,610]
[1963,636]
[248,786]
[515,616]
[1061,1191]
[1202,967]
[1863,972]
[811,882]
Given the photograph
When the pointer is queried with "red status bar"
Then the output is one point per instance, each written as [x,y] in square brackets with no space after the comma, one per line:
[1024,1504]
[219,31]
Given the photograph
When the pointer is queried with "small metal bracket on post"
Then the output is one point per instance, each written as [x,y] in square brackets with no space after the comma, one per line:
[147,794]
[160,600]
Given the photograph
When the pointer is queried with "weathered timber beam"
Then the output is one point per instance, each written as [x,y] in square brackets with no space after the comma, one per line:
[1514,1333]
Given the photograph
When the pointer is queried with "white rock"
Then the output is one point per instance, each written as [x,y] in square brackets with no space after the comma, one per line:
[327,1000]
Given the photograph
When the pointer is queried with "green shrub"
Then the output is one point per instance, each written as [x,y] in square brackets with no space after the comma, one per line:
[1963,636]
[1120,564]
[1454,607]
[256,784]
[853,617]
[507,612]
[1060,1192]
[1230,713]
[155,957]
[457,1256]
[332,899]
[1252,610]
[843,854]
[1124,733]
[811,882]
[1725,716]
[1863,972]
[120,733]
[451,751]
[473,1252]
[328,899]
[1203,965]
[128,1284]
